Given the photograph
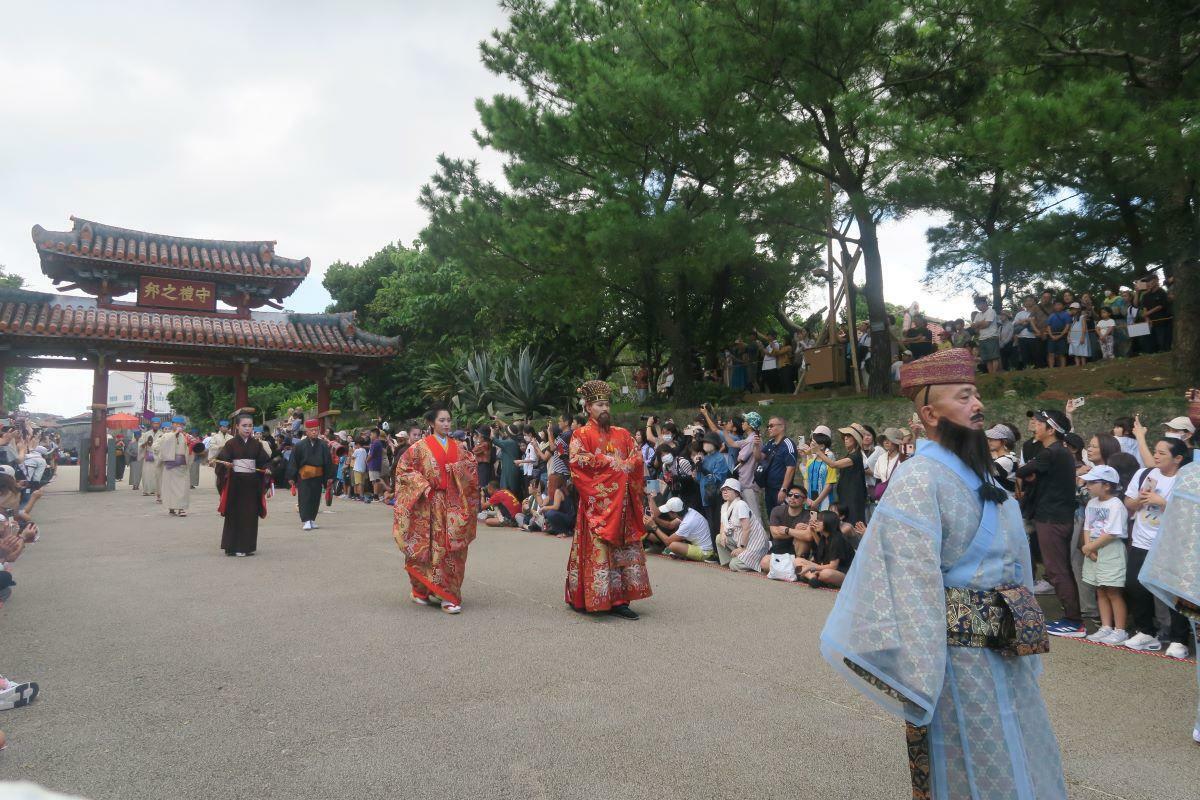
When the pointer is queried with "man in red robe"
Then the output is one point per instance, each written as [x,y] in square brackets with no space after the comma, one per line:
[607,568]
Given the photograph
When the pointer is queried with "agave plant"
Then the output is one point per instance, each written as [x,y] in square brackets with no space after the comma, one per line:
[475,385]
[442,379]
[528,385]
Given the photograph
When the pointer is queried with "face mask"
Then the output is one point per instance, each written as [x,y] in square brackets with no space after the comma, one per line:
[1173,435]
[666,437]
[708,448]
[668,460]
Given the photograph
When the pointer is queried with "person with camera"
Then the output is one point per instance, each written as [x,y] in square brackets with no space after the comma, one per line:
[778,466]
[683,532]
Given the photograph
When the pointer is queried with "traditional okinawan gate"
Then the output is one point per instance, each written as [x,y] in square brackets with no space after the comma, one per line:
[175,325]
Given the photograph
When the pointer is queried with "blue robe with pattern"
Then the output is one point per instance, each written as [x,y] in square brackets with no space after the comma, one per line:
[1172,568]
[989,734]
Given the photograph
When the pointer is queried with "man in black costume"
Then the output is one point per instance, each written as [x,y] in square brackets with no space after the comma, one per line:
[310,469]
[239,466]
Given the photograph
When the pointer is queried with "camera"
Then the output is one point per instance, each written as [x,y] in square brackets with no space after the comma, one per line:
[645,418]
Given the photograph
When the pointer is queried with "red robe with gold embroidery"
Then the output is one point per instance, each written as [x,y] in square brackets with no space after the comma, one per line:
[437,507]
[607,566]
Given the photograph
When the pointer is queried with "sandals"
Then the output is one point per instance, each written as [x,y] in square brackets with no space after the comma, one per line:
[416,598]
[451,608]
[181,513]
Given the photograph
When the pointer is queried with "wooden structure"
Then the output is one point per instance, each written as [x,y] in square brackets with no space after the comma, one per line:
[174,324]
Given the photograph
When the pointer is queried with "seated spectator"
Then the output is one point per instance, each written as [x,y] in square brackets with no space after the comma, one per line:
[682,531]
[529,518]
[829,556]
[788,527]
[559,513]
[501,508]
[742,542]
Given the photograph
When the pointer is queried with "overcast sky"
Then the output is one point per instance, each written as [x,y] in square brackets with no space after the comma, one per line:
[313,124]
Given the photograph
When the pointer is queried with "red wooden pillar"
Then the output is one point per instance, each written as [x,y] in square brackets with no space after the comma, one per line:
[98,462]
[241,394]
[323,400]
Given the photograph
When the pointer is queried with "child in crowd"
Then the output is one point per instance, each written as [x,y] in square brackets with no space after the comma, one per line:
[1106,332]
[1103,545]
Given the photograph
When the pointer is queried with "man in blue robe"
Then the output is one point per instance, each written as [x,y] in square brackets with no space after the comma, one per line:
[936,621]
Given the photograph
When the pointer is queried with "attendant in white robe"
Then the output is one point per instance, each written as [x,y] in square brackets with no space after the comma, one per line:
[174,457]
[149,482]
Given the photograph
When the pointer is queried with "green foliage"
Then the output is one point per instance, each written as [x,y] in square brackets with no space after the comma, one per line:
[1027,384]
[527,386]
[16,381]
[305,397]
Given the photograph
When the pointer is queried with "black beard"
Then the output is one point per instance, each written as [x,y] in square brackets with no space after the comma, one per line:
[971,446]
[603,419]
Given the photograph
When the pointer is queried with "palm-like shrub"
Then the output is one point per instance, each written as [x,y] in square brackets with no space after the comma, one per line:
[529,385]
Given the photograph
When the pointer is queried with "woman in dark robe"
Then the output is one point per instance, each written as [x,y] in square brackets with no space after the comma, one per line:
[241,462]
[509,450]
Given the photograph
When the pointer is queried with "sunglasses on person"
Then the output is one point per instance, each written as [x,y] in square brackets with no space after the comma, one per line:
[797,495]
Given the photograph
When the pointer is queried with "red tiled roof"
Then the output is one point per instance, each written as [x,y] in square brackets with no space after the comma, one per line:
[92,240]
[54,317]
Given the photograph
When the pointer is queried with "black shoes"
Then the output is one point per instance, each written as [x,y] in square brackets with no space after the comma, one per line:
[624,612]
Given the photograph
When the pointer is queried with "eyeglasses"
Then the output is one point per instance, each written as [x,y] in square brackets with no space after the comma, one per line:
[794,494]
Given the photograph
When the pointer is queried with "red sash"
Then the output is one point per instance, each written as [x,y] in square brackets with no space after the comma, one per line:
[444,456]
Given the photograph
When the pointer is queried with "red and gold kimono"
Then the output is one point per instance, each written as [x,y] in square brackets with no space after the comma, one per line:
[607,566]
[437,507]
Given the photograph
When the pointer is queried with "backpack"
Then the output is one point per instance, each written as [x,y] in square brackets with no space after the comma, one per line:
[716,471]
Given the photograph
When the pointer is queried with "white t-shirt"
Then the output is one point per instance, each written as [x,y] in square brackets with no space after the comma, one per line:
[769,351]
[531,456]
[1023,316]
[360,459]
[1105,325]
[757,543]
[694,528]
[1147,520]
[1106,517]
[989,316]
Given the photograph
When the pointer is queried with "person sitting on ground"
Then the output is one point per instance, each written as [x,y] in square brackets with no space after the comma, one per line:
[560,511]
[1103,546]
[789,527]
[682,531]
[742,542]
[530,518]
[501,508]
[829,556]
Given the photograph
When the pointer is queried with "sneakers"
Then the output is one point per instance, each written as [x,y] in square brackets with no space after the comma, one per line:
[1067,629]
[1143,642]
[1117,637]
[314,525]
[1101,634]
[1043,587]
[1177,650]
[451,608]
[307,526]
[17,695]
[1196,735]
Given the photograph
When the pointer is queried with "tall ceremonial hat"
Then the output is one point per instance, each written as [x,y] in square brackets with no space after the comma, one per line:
[179,420]
[952,366]
[595,390]
[156,419]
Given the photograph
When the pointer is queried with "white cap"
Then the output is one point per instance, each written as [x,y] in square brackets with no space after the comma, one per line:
[1102,472]
[822,429]
[7,470]
[674,505]
[732,483]
[1180,424]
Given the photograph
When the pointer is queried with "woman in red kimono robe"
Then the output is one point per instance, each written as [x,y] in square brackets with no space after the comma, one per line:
[607,568]
[437,503]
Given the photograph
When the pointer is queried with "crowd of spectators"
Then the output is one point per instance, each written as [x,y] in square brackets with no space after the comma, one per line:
[28,462]
[1050,329]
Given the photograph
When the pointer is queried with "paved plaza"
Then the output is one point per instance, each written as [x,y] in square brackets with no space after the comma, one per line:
[171,671]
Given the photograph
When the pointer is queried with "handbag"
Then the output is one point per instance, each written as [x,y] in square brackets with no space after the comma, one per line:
[783,568]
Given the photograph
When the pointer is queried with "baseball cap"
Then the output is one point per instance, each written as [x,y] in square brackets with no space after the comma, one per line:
[1102,472]
[999,432]
[674,505]
[1052,417]
[1180,424]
